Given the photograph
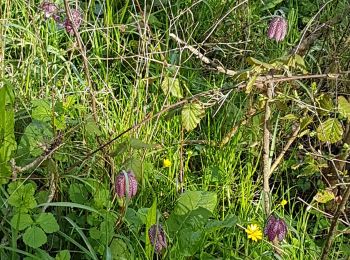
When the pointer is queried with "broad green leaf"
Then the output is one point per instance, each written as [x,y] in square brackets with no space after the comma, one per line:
[270,4]
[138,144]
[21,221]
[135,164]
[254,62]
[190,241]
[324,196]
[34,237]
[191,200]
[344,107]
[63,255]
[41,110]
[78,193]
[7,136]
[326,104]
[22,196]
[48,222]
[94,233]
[92,128]
[107,231]
[120,250]
[101,198]
[192,114]
[150,220]
[330,131]
[172,86]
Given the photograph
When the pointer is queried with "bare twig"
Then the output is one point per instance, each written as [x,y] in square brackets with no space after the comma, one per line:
[334,224]
[285,149]
[266,157]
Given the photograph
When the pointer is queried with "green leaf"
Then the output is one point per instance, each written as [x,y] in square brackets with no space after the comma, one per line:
[107,231]
[254,62]
[138,144]
[330,131]
[192,113]
[63,255]
[271,4]
[95,233]
[190,241]
[250,84]
[34,237]
[22,196]
[191,200]
[344,107]
[48,222]
[21,221]
[324,196]
[41,110]
[150,220]
[78,193]
[7,137]
[91,127]
[172,86]
[120,250]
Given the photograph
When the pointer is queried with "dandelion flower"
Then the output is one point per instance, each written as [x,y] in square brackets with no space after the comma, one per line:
[166,163]
[254,232]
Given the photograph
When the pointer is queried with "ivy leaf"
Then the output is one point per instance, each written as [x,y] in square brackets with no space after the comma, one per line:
[21,221]
[34,237]
[192,200]
[191,115]
[330,131]
[324,196]
[344,107]
[48,222]
[172,86]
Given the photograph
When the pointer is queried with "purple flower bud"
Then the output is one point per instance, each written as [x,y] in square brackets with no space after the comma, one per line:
[121,187]
[275,227]
[157,237]
[76,21]
[49,9]
[277,28]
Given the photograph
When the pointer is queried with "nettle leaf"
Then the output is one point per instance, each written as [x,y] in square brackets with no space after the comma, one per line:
[63,255]
[172,86]
[192,114]
[48,222]
[22,196]
[344,107]
[34,237]
[191,200]
[324,196]
[330,131]
[21,221]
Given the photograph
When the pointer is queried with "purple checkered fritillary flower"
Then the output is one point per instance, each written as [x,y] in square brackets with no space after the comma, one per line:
[275,228]
[121,185]
[157,237]
[50,10]
[277,28]
[76,21]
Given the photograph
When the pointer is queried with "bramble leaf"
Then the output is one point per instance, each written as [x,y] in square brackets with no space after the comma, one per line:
[344,107]
[191,115]
[330,131]
[172,86]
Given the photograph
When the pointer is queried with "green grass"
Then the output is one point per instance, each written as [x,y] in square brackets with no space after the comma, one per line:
[128,60]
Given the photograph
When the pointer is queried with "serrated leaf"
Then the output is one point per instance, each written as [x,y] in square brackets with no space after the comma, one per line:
[344,107]
[172,86]
[34,237]
[192,200]
[22,196]
[41,110]
[324,196]
[120,250]
[330,131]
[21,221]
[191,115]
[78,193]
[271,4]
[48,222]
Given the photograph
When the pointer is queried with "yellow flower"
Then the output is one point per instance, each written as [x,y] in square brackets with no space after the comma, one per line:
[283,203]
[254,232]
[166,163]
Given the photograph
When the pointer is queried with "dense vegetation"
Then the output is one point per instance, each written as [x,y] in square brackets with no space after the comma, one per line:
[174,129]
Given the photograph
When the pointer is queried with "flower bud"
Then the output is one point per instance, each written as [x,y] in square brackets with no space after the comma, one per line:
[275,227]
[76,21]
[121,187]
[157,237]
[277,28]
[49,9]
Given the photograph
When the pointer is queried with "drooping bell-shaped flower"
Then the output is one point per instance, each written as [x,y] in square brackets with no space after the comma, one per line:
[157,237]
[76,21]
[121,185]
[275,228]
[278,28]
[49,9]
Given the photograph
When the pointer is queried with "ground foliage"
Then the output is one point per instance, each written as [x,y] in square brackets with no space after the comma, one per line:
[122,94]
